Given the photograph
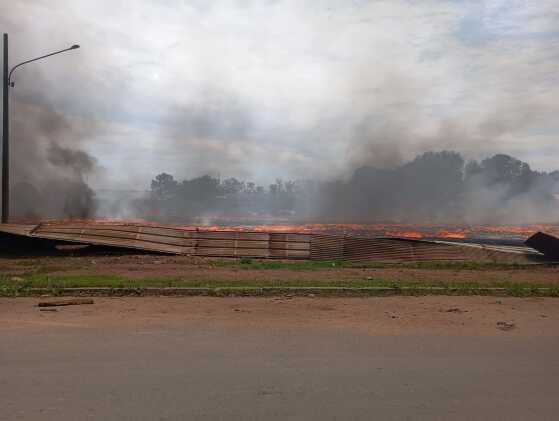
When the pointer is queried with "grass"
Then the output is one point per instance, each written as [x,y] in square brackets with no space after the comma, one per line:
[248,263]
[36,266]
[24,285]
[21,279]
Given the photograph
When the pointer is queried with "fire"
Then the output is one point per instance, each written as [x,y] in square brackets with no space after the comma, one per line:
[451,234]
[384,230]
[406,234]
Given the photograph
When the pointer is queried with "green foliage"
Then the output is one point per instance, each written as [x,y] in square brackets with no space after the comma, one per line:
[55,284]
[249,263]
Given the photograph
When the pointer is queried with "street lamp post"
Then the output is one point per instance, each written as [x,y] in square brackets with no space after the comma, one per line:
[5,140]
[7,84]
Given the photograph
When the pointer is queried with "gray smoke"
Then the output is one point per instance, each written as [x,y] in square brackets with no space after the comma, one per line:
[49,172]
[49,164]
[434,188]
[260,91]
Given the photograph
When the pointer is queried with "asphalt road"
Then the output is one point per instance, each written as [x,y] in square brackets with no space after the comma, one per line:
[213,370]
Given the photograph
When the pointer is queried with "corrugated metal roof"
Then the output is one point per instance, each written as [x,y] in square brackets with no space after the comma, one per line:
[328,247]
[228,243]
[17,229]
[173,240]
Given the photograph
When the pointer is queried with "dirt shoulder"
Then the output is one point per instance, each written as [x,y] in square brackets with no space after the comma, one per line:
[199,269]
[376,316]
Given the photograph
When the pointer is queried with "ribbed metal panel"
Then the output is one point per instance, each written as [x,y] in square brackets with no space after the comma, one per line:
[227,243]
[17,229]
[174,240]
[324,247]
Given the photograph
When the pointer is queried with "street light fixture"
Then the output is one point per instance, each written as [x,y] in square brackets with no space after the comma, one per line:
[11,84]
[7,84]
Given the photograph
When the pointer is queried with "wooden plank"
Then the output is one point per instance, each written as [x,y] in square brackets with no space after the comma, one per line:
[68,302]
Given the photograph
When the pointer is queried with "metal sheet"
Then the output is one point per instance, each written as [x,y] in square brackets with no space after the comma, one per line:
[227,243]
[173,240]
[17,229]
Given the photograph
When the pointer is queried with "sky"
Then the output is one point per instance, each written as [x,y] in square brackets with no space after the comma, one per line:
[291,89]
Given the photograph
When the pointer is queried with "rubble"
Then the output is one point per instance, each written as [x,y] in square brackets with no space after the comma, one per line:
[70,302]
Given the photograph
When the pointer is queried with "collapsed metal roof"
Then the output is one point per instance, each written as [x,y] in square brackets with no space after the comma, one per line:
[288,245]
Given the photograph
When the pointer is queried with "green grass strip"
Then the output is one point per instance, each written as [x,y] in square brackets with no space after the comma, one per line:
[10,286]
[248,263]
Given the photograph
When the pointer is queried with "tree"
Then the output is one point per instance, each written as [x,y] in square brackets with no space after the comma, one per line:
[163,186]
[232,186]
[200,189]
[509,172]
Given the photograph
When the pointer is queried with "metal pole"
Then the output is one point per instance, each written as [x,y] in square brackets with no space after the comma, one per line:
[7,84]
[5,139]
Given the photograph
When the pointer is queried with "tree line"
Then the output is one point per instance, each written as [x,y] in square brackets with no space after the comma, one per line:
[434,187]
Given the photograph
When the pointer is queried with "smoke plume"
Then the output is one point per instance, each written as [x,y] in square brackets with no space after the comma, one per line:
[49,172]
[433,188]
[351,98]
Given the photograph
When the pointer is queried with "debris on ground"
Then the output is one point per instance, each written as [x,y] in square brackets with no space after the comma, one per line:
[240,310]
[70,302]
[505,326]
[281,299]
[454,310]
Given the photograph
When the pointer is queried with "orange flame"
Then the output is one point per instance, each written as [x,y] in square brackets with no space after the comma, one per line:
[451,234]
[406,234]
[392,230]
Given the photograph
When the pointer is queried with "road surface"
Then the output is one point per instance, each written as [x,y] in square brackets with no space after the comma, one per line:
[275,359]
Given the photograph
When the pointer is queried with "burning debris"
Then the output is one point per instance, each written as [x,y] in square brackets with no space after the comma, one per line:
[266,244]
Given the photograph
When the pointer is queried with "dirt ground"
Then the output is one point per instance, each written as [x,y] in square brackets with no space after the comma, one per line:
[275,358]
[391,358]
[202,269]
[373,315]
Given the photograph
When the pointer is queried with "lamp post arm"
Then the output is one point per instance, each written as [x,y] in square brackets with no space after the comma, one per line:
[38,58]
